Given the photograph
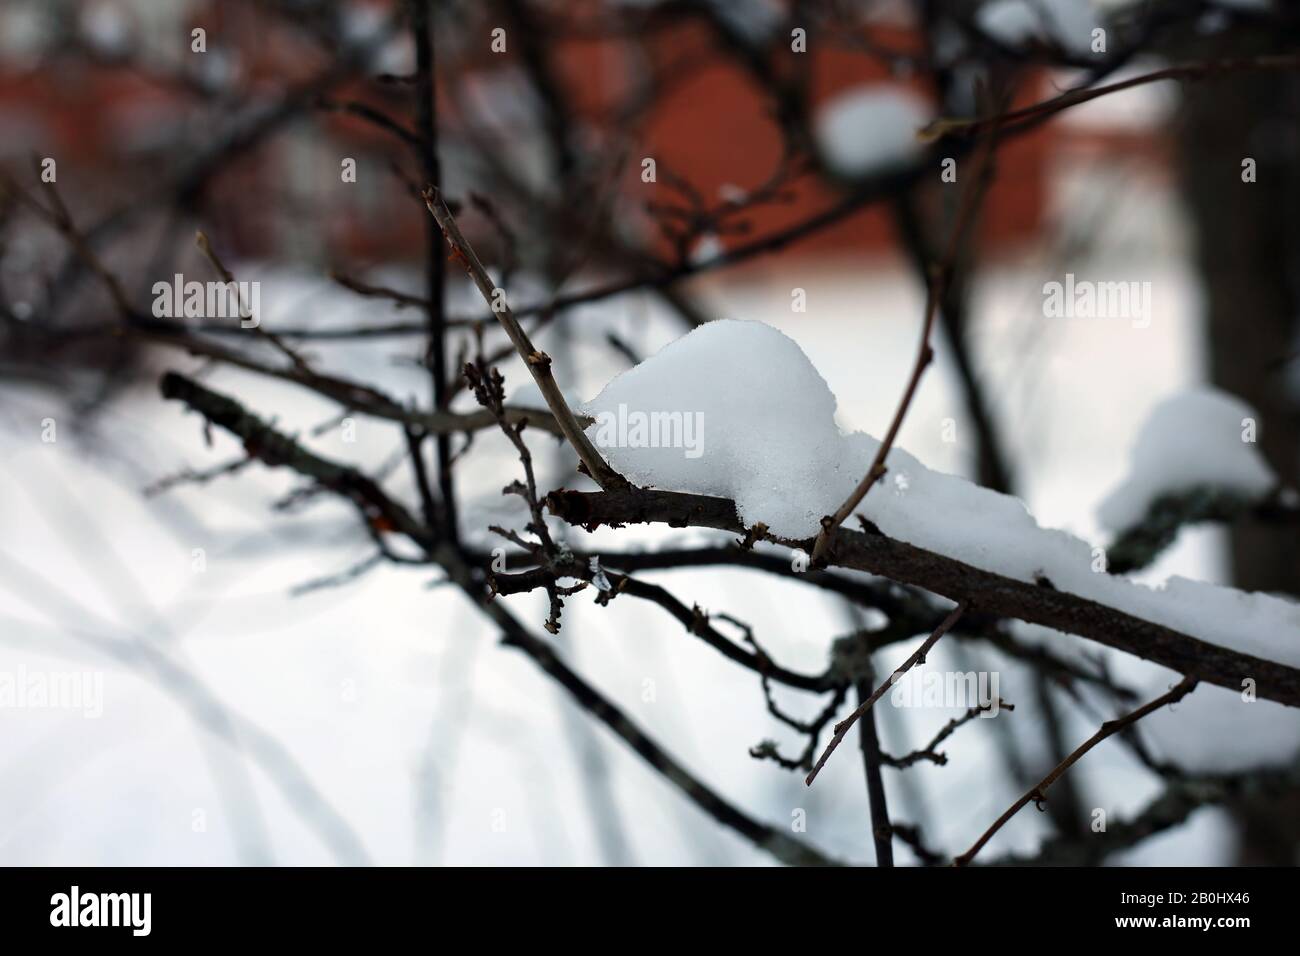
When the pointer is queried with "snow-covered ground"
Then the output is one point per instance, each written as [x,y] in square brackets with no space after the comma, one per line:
[380,719]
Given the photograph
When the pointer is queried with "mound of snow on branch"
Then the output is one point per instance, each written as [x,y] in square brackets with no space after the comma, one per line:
[759,415]
[1196,438]
[736,410]
[871,129]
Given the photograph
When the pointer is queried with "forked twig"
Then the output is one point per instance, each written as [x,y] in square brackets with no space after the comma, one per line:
[931,750]
[537,362]
[847,723]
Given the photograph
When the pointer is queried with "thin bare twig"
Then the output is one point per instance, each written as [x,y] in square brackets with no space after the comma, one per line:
[400,300]
[488,386]
[939,278]
[228,277]
[844,725]
[60,219]
[537,362]
[929,751]
[1039,793]
[941,128]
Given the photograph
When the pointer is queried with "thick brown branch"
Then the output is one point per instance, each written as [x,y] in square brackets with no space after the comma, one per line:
[991,593]
[264,443]
[1138,546]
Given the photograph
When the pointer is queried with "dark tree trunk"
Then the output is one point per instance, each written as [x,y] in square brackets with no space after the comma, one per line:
[1247,239]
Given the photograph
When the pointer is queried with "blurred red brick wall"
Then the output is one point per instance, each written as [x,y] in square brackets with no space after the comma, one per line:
[713,126]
